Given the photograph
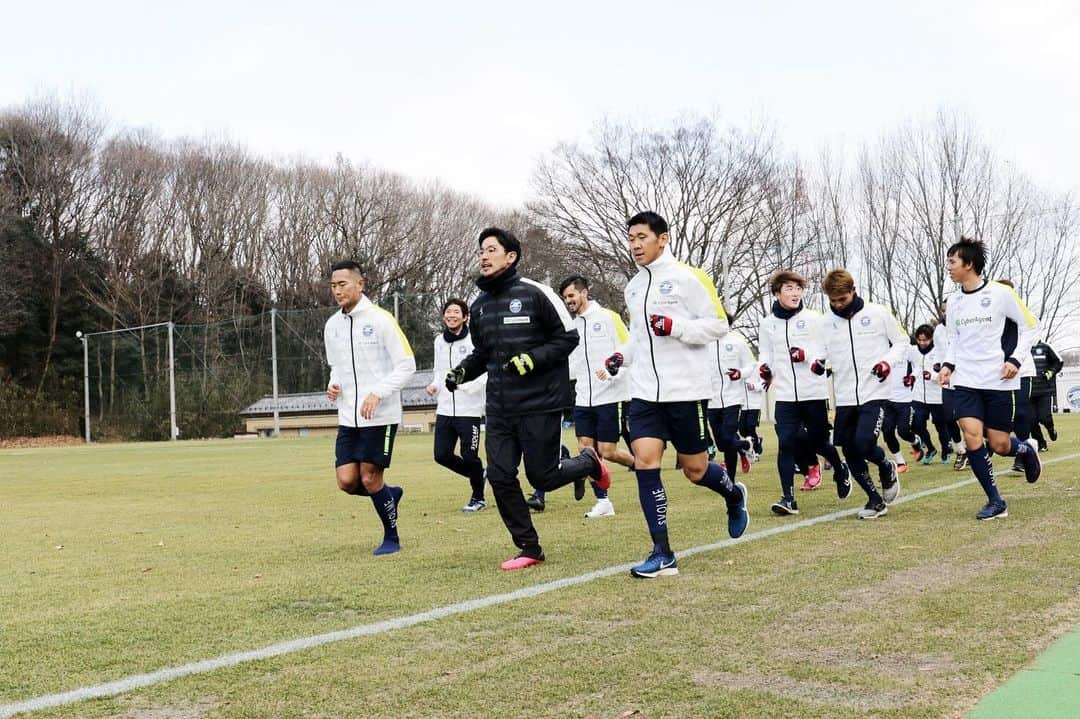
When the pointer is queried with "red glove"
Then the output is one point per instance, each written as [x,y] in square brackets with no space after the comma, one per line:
[733,373]
[926,374]
[766,376]
[797,354]
[909,380]
[881,371]
[614,363]
[937,367]
[817,366]
[661,325]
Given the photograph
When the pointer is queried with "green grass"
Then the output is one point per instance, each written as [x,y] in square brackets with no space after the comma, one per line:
[121,559]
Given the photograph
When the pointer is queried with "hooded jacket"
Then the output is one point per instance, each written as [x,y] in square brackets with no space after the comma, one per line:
[368,354]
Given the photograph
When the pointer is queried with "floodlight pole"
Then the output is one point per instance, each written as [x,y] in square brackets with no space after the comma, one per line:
[174,431]
[86,384]
[273,359]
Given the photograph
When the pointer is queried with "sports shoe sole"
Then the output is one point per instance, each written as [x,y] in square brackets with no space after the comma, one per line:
[874,515]
[519,563]
[784,511]
[662,572]
[1000,515]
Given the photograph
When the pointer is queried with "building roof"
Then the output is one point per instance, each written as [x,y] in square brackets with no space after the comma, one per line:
[413,396]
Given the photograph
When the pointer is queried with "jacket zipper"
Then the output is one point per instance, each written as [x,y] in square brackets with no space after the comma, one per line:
[450,362]
[585,345]
[794,376]
[356,380]
[854,364]
[648,330]
[720,367]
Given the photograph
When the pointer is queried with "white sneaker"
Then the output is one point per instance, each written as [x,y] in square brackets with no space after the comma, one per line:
[602,508]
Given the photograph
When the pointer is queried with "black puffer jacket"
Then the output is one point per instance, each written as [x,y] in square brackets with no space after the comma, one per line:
[514,315]
[1046,360]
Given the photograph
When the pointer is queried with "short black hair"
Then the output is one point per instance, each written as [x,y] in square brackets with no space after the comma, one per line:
[509,242]
[971,252]
[924,331]
[351,265]
[655,222]
[578,281]
[456,301]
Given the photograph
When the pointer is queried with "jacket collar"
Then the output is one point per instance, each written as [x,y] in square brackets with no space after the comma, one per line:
[499,282]
[850,311]
[361,307]
[592,309]
[663,261]
[450,337]
[926,351]
[784,313]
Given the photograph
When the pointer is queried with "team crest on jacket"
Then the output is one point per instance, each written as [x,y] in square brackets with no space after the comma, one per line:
[665,287]
[515,305]
[729,347]
[368,330]
[865,321]
[800,324]
[984,302]
[463,350]
[597,327]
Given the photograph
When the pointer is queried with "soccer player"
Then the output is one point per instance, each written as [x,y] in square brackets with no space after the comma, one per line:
[990,330]
[370,361]
[1047,365]
[457,414]
[731,364]
[927,358]
[790,339]
[1023,416]
[863,342]
[675,315]
[897,419]
[600,397]
[522,337]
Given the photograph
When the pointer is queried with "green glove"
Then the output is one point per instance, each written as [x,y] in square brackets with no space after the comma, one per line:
[522,364]
[1048,374]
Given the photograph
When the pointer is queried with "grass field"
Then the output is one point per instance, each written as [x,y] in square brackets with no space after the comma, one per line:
[118,560]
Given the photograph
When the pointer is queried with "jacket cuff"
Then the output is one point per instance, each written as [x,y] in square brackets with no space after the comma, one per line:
[950,365]
[1014,362]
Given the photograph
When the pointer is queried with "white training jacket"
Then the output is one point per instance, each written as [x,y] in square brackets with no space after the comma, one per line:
[853,346]
[898,392]
[754,393]
[601,333]
[988,326]
[368,354]
[675,368]
[469,399]
[730,352]
[927,391]
[793,381]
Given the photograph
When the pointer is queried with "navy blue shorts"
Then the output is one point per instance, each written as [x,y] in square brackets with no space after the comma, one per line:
[995,407]
[681,423]
[373,445]
[602,423]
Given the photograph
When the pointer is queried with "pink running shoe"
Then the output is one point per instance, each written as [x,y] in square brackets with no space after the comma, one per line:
[520,562]
[744,462]
[813,479]
[602,478]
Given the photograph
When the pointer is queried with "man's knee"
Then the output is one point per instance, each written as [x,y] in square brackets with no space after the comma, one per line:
[444,457]
[350,483]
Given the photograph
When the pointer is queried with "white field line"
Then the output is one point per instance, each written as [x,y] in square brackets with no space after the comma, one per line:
[139,681]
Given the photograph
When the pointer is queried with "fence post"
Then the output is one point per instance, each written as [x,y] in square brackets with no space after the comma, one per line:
[174,431]
[273,358]
[86,383]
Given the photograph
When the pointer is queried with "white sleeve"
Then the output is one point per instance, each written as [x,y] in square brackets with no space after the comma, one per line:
[707,320]
[900,340]
[330,360]
[764,343]
[401,357]
[1026,324]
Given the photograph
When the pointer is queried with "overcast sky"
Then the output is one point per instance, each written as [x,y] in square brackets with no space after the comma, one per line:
[473,92]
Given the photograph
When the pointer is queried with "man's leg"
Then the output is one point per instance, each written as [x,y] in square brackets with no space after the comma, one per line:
[921,413]
[867,429]
[815,416]
[468,431]
[787,428]
[844,434]
[888,429]
[541,441]
[937,416]
[503,456]
[446,439]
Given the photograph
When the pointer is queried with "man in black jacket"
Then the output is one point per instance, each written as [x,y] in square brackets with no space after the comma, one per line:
[1043,388]
[522,337]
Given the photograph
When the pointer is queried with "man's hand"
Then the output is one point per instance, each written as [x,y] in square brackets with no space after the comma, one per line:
[1008,370]
[1048,374]
[797,354]
[521,364]
[455,377]
[818,367]
[332,392]
[766,377]
[926,374]
[944,377]
[432,389]
[602,375]
[660,325]
[614,363]
[881,371]
[734,374]
[367,409]
[909,379]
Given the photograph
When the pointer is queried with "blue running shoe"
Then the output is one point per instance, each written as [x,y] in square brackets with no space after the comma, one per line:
[928,458]
[1032,465]
[738,518]
[993,510]
[657,565]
